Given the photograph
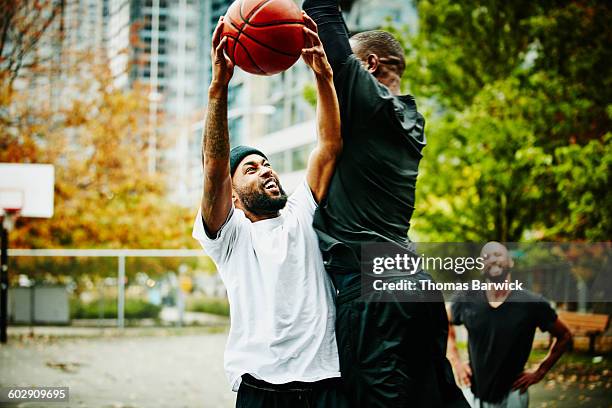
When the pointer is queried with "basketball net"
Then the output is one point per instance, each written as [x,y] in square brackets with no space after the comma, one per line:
[9,217]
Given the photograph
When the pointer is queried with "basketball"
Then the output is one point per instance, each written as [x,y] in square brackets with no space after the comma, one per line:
[264,37]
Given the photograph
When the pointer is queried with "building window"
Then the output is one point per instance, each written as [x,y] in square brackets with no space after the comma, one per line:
[277,160]
[235,128]
[276,121]
[299,157]
[235,96]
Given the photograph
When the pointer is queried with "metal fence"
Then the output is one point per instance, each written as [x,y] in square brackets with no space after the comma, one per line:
[116,259]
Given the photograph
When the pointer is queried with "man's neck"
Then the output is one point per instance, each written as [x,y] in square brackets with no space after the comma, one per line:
[391,80]
[395,88]
[260,217]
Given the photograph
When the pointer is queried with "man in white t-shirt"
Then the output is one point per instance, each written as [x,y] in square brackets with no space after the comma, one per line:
[281,350]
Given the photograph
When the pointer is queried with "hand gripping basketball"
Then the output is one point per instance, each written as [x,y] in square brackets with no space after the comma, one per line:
[313,53]
[222,65]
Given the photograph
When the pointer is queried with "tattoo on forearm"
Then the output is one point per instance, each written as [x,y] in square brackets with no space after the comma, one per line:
[215,146]
[208,199]
[215,142]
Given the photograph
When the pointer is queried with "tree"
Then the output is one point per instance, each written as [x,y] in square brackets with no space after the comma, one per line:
[517,96]
[30,32]
[24,25]
[105,197]
[58,105]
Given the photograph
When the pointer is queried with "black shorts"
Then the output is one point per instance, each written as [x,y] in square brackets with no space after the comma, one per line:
[254,393]
[393,353]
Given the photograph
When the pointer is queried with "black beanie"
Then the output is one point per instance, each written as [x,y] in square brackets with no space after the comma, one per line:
[240,152]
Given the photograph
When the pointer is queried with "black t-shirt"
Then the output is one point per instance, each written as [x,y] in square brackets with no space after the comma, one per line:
[371,196]
[500,339]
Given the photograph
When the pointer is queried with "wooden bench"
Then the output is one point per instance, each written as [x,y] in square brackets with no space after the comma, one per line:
[585,324]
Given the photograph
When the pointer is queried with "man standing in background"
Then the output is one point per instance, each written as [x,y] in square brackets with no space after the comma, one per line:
[501,326]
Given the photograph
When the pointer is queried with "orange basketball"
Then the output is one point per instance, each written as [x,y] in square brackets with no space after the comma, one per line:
[265,37]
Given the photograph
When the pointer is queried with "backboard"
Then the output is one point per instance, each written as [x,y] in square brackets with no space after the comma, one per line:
[27,188]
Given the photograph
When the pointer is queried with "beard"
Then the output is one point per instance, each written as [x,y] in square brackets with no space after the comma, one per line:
[498,278]
[259,202]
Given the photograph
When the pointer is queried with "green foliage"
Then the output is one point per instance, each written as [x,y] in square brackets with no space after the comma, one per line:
[516,95]
[134,309]
[209,305]
[310,94]
[584,177]
[59,269]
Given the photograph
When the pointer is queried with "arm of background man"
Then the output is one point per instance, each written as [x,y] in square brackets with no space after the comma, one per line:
[322,161]
[462,369]
[217,195]
[332,30]
[563,338]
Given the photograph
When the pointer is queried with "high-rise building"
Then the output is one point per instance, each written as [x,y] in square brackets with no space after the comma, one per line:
[159,43]
[73,28]
[84,25]
[164,45]
[366,15]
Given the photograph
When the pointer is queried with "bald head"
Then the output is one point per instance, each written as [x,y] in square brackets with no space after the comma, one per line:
[492,247]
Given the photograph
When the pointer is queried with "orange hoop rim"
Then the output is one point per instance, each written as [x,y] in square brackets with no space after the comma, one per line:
[11,211]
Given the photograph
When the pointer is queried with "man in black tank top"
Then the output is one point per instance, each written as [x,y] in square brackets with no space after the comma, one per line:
[392,354]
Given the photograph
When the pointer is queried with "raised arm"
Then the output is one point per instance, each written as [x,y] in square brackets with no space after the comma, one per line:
[217,195]
[322,161]
[332,30]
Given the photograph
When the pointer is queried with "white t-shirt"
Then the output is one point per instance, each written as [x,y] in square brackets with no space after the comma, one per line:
[281,299]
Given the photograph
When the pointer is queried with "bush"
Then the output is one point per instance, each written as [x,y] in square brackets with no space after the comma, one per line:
[134,309]
[209,305]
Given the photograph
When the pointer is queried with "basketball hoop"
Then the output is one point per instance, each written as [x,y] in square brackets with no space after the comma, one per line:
[11,203]
[9,217]
[26,190]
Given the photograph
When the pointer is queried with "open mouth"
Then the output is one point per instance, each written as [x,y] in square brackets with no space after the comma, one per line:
[271,185]
[495,270]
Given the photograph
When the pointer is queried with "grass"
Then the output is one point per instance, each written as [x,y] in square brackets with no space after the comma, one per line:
[568,359]
[133,309]
[209,305]
[572,359]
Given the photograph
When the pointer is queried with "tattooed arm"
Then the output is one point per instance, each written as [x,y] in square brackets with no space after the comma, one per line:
[217,196]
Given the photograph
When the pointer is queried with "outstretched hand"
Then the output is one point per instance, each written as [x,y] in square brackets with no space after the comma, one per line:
[313,53]
[222,65]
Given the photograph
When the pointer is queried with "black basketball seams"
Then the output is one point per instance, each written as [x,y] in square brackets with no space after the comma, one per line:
[246,51]
[262,44]
[260,5]
[235,38]
[248,18]
[276,23]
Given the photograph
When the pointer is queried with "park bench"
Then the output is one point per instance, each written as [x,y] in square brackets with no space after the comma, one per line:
[590,325]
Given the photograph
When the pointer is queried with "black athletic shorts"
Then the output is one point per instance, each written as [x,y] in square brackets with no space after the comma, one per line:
[254,393]
[393,353]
